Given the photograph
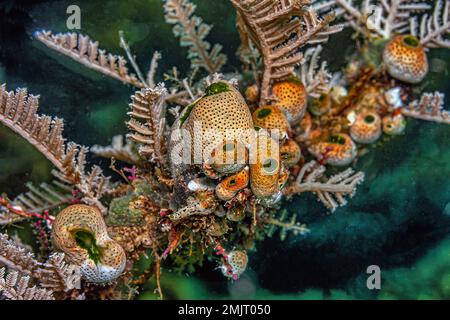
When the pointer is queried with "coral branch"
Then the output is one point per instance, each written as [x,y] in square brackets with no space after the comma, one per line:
[430,107]
[331,192]
[83,50]
[279,29]
[192,32]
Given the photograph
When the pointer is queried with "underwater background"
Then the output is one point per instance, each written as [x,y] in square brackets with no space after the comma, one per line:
[399,218]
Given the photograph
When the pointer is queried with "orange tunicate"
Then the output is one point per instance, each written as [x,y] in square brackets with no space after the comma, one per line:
[290,153]
[231,185]
[320,105]
[394,124]
[335,150]
[367,127]
[80,232]
[252,93]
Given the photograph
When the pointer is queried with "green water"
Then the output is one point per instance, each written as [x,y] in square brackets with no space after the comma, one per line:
[399,219]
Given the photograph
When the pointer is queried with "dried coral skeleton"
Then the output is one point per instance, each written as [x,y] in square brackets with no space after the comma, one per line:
[183,212]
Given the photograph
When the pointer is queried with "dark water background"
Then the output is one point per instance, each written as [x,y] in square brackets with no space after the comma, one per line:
[398,220]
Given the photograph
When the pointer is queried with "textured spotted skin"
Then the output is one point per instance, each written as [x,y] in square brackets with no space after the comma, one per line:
[271,118]
[229,158]
[394,125]
[335,154]
[366,132]
[290,153]
[237,261]
[264,177]
[292,98]
[405,62]
[222,116]
[231,185]
[82,217]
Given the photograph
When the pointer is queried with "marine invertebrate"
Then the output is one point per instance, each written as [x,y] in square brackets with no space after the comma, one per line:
[405,59]
[18,112]
[313,76]
[205,177]
[265,169]
[320,105]
[16,287]
[231,185]
[271,118]
[85,51]
[147,123]
[229,157]
[335,149]
[394,125]
[367,127]
[80,232]
[193,31]
[218,117]
[291,97]
[290,153]
[235,264]
[278,29]
[53,279]
[391,17]
[430,107]
[338,185]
